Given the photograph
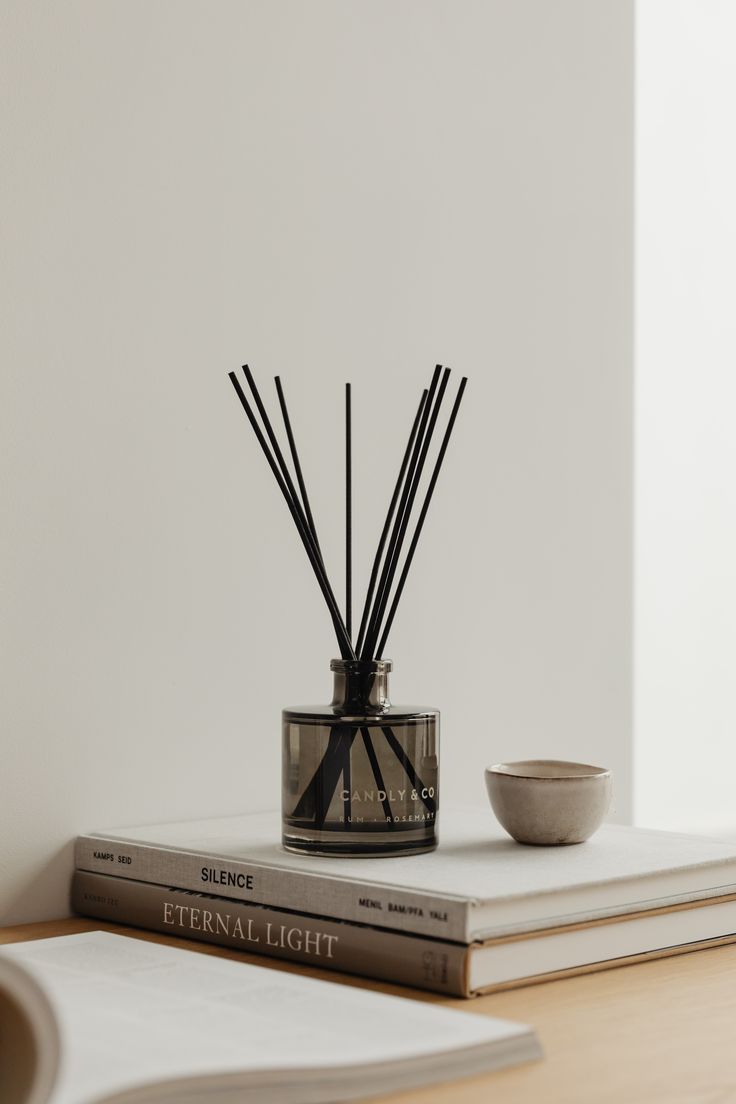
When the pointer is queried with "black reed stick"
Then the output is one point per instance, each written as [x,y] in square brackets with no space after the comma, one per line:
[409,771]
[348,515]
[295,460]
[347,781]
[272,437]
[409,504]
[292,492]
[375,767]
[346,649]
[314,804]
[386,526]
[369,641]
[422,516]
[403,521]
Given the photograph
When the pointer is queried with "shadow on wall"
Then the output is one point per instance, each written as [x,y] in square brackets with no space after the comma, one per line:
[51,882]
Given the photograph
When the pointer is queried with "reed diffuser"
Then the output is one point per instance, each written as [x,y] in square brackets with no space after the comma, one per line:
[360,775]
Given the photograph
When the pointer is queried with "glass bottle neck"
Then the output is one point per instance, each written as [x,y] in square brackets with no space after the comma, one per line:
[360,686]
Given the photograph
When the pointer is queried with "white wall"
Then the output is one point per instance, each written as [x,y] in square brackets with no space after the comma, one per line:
[685,402]
[328,190]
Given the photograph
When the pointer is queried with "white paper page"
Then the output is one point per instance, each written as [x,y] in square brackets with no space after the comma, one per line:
[133,1012]
[29,1038]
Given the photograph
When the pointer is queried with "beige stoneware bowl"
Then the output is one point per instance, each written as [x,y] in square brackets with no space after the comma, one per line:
[548,801]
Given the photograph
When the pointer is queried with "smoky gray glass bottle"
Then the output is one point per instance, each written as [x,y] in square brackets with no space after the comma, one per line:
[360,776]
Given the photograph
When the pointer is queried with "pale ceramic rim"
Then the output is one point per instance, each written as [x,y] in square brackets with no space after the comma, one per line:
[524,768]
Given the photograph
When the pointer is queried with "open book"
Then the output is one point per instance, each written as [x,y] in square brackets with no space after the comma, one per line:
[105,1019]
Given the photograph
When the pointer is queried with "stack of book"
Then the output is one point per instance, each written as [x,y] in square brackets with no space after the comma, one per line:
[480,913]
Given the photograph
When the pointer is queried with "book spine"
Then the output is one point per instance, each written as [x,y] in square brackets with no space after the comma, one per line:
[333,945]
[334,896]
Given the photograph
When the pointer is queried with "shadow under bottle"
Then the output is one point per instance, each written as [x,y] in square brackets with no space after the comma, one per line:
[360,776]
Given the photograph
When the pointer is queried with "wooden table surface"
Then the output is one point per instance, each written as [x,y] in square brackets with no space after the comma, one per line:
[660,1032]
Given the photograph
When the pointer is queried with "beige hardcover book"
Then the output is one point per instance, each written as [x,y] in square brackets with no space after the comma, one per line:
[453,968]
[478,885]
[105,1019]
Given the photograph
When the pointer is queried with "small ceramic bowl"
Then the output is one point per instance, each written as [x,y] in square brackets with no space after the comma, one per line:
[548,801]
